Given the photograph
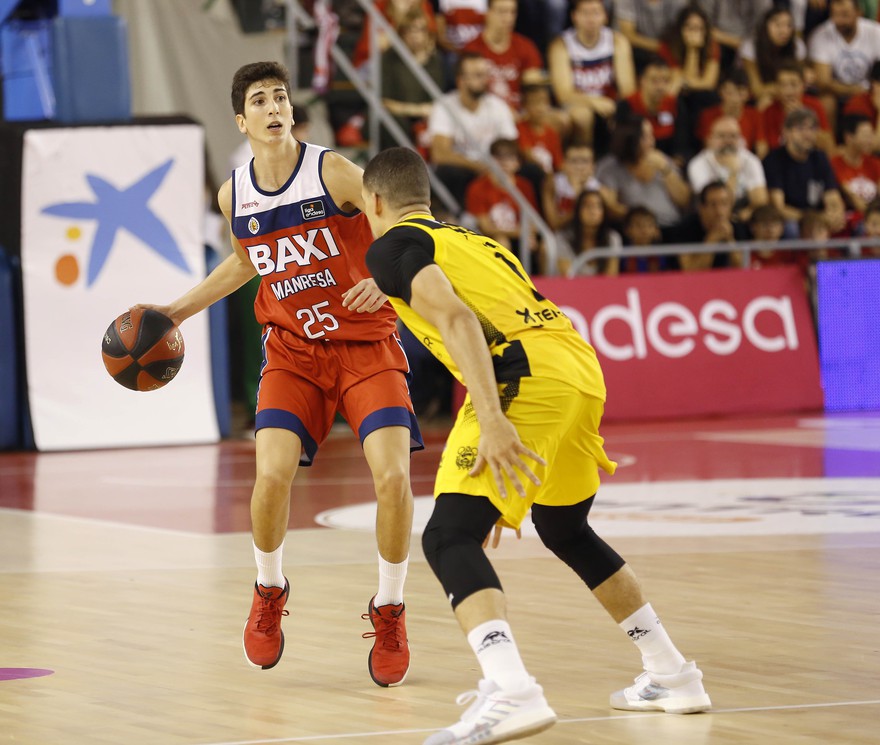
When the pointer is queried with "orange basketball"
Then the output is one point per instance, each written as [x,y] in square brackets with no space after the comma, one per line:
[142,350]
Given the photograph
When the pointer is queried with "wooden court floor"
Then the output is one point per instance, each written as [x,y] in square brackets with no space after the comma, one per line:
[125,579]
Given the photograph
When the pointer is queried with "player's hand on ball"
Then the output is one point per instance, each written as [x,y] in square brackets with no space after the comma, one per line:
[165,310]
[364,297]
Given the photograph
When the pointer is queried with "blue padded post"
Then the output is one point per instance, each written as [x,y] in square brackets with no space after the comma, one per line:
[90,68]
[10,400]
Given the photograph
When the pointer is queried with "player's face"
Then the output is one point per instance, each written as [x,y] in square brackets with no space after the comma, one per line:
[268,114]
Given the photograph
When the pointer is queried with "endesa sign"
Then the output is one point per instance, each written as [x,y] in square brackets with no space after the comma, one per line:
[697,343]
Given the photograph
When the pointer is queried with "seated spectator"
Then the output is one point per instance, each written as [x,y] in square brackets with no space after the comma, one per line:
[351,132]
[857,171]
[645,23]
[459,22]
[653,101]
[733,23]
[773,42]
[640,228]
[691,52]
[734,93]
[842,51]
[402,94]
[460,144]
[488,200]
[590,66]
[768,226]
[637,173]
[590,229]
[539,140]
[799,176]
[726,159]
[868,103]
[562,189]
[713,223]
[872,229]
[511,56]
[791,97]
[813,226]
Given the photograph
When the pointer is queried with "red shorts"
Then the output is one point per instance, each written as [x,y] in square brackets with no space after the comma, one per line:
[304,384]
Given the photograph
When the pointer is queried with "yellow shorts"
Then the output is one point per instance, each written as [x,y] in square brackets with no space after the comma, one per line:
[554,420]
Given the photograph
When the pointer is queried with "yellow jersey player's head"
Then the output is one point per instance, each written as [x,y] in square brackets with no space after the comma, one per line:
[396,184]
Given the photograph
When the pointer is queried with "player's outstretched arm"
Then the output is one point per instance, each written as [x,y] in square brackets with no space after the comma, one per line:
[500,446]
[226,278]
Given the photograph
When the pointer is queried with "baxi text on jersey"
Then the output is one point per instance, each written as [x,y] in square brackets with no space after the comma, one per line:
[316,245]
[292,285]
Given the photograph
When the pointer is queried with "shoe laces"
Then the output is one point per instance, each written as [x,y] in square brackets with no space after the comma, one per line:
[385,630]
[269,615]
[478,697]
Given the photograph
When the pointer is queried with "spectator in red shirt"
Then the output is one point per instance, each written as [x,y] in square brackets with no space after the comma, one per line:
[495,210]
[459,22]
[734,94]
[538,139]
[510,55]
[856,169]
[654,102]
[868,103]
[790,97]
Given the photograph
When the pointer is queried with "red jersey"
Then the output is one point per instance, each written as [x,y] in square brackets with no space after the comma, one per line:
[485,197]
[307,252]
[543,145]
[464,20]
[859,180]
[751,124]
[662,122]
[506,68]
[773,118]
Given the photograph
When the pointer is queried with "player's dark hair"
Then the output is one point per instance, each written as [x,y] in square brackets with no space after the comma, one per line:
[399,176]
[256,72]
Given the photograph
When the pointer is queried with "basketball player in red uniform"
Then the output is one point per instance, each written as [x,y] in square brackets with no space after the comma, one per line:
[329,345]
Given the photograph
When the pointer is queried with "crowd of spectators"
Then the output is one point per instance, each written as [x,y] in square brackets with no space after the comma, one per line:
[636,122]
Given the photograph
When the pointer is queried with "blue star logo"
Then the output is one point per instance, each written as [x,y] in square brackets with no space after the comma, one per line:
[123,208]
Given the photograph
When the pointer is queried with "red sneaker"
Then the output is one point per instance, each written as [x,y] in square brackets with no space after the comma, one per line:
[263,638]
[388,661]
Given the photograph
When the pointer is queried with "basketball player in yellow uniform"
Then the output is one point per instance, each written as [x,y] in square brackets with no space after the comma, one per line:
[525,438]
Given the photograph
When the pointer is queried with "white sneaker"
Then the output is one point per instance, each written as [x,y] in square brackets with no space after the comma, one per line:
[680,693]
[497,716]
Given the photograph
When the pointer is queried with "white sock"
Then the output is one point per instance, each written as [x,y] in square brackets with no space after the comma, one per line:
[269,572]
[659,654]
[497,653]
[391,579]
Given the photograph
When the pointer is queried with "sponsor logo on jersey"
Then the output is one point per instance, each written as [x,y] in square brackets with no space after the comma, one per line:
[254,225]
[313,210]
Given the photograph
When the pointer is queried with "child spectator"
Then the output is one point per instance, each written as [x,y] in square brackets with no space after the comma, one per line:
[640,228]
[562,189]
[590,229]
[856,169]
[774,41]
[654,101]
[768,225]
[495,210]
[789,97]
[734,93]
[539,140]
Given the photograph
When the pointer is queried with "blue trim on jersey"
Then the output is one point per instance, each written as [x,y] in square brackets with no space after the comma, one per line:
[393,416]
[327,191]
[302,155]
[281,419]
[283,217]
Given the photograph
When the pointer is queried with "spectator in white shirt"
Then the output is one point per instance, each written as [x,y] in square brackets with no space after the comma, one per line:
[726,159]
[842,51]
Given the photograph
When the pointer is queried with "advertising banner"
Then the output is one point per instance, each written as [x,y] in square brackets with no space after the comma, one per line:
[111,217]
[684,344]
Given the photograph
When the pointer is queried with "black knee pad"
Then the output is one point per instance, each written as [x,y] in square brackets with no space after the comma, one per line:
[453,545]
[566,532]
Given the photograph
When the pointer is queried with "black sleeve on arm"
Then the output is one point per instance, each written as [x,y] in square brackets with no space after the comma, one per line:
[396,257]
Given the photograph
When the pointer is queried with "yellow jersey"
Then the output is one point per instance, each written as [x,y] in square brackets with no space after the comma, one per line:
[527,334]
